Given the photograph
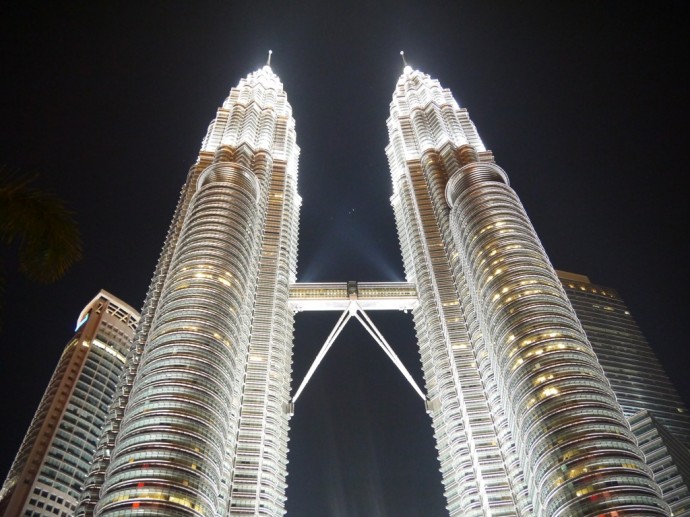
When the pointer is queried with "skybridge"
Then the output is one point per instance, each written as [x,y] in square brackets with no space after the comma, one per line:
[354,299]
[336,296]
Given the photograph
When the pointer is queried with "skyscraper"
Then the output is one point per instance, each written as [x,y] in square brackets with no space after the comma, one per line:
[668,458]
[525,421]
[53,460]
[657,415]
[200,423]
[524,418]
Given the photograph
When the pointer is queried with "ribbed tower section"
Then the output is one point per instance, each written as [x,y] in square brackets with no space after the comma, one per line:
[200,427]
[525,420]
[479,466]
[573,442]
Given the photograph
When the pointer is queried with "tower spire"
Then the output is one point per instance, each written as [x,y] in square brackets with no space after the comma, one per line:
[402,54]
[268,61]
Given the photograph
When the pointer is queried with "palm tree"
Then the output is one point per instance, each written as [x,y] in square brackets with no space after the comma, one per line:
[39,226]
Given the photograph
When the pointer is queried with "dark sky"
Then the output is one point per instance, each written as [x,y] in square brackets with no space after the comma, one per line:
[584,105]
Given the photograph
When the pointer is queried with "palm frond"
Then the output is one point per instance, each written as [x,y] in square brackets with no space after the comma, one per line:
[46,232]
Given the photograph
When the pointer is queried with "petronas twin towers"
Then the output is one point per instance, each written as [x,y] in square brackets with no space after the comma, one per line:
[524,419]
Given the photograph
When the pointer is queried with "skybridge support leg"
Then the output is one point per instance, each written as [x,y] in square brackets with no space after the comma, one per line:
[354,309]
[378,337]
[342,321]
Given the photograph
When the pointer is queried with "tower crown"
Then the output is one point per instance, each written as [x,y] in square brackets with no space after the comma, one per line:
[266,76]
[425,117]
[255,116]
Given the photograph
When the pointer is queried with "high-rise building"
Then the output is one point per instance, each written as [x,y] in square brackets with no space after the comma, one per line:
[48,473]
[525,421]
[200,423]
[657,415]
[668,458]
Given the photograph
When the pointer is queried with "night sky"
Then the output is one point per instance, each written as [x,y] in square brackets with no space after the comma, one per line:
[584,106]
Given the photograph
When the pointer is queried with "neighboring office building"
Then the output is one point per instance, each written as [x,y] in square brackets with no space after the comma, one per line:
[668,458]
[657,415]
[632,368]
[48,472]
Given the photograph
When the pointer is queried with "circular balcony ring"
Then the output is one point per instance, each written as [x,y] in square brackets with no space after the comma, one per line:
[230,173]
[471,174]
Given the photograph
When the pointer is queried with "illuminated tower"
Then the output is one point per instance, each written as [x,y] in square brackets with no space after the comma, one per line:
[200,425]
[53,460]
[525,421]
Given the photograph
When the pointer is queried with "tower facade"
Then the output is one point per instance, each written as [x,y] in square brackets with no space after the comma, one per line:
[53,460]
[525,420]
[200,423]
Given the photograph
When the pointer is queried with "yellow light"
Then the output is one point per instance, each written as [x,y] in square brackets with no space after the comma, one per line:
[549,392]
